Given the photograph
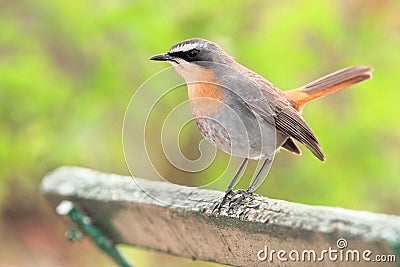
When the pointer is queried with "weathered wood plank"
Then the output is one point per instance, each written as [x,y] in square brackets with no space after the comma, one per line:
[187,227]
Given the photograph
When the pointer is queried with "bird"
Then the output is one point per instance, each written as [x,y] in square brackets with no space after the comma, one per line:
[245,115]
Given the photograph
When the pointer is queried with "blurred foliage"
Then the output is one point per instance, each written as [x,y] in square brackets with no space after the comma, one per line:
[68,70]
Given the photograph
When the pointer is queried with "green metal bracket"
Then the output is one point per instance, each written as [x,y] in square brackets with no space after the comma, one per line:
[85,226]
[393,241]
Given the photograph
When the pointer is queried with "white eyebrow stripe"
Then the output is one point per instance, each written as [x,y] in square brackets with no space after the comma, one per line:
[184,47]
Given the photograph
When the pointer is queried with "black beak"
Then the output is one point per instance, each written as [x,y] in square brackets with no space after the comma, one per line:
[162,57]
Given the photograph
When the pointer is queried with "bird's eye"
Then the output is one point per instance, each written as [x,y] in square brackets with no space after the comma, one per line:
[193,52]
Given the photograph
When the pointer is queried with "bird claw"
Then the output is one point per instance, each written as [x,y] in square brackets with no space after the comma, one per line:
[235,198]
[220,203]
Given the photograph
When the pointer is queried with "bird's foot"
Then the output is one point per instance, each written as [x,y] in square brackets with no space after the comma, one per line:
[220,203]
[235,198]
[240,196]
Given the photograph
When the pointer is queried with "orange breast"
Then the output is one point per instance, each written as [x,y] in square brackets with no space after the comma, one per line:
[205,98]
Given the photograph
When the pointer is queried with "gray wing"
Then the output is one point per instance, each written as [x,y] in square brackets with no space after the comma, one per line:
[289,122]
[286,119]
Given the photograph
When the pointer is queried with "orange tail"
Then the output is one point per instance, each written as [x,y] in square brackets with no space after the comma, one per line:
[328,84]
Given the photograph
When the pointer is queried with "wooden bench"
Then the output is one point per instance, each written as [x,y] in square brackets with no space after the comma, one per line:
[246,235]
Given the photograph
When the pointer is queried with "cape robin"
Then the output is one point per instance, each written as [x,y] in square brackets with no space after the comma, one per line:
[242,113]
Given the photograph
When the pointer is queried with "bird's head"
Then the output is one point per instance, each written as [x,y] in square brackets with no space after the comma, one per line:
[194,55]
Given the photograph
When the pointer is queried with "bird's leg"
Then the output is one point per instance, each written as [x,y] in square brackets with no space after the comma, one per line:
[253,183]
[233,182]
[260,173]
[228,190]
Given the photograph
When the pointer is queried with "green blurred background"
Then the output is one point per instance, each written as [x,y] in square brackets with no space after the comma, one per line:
[69,68]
